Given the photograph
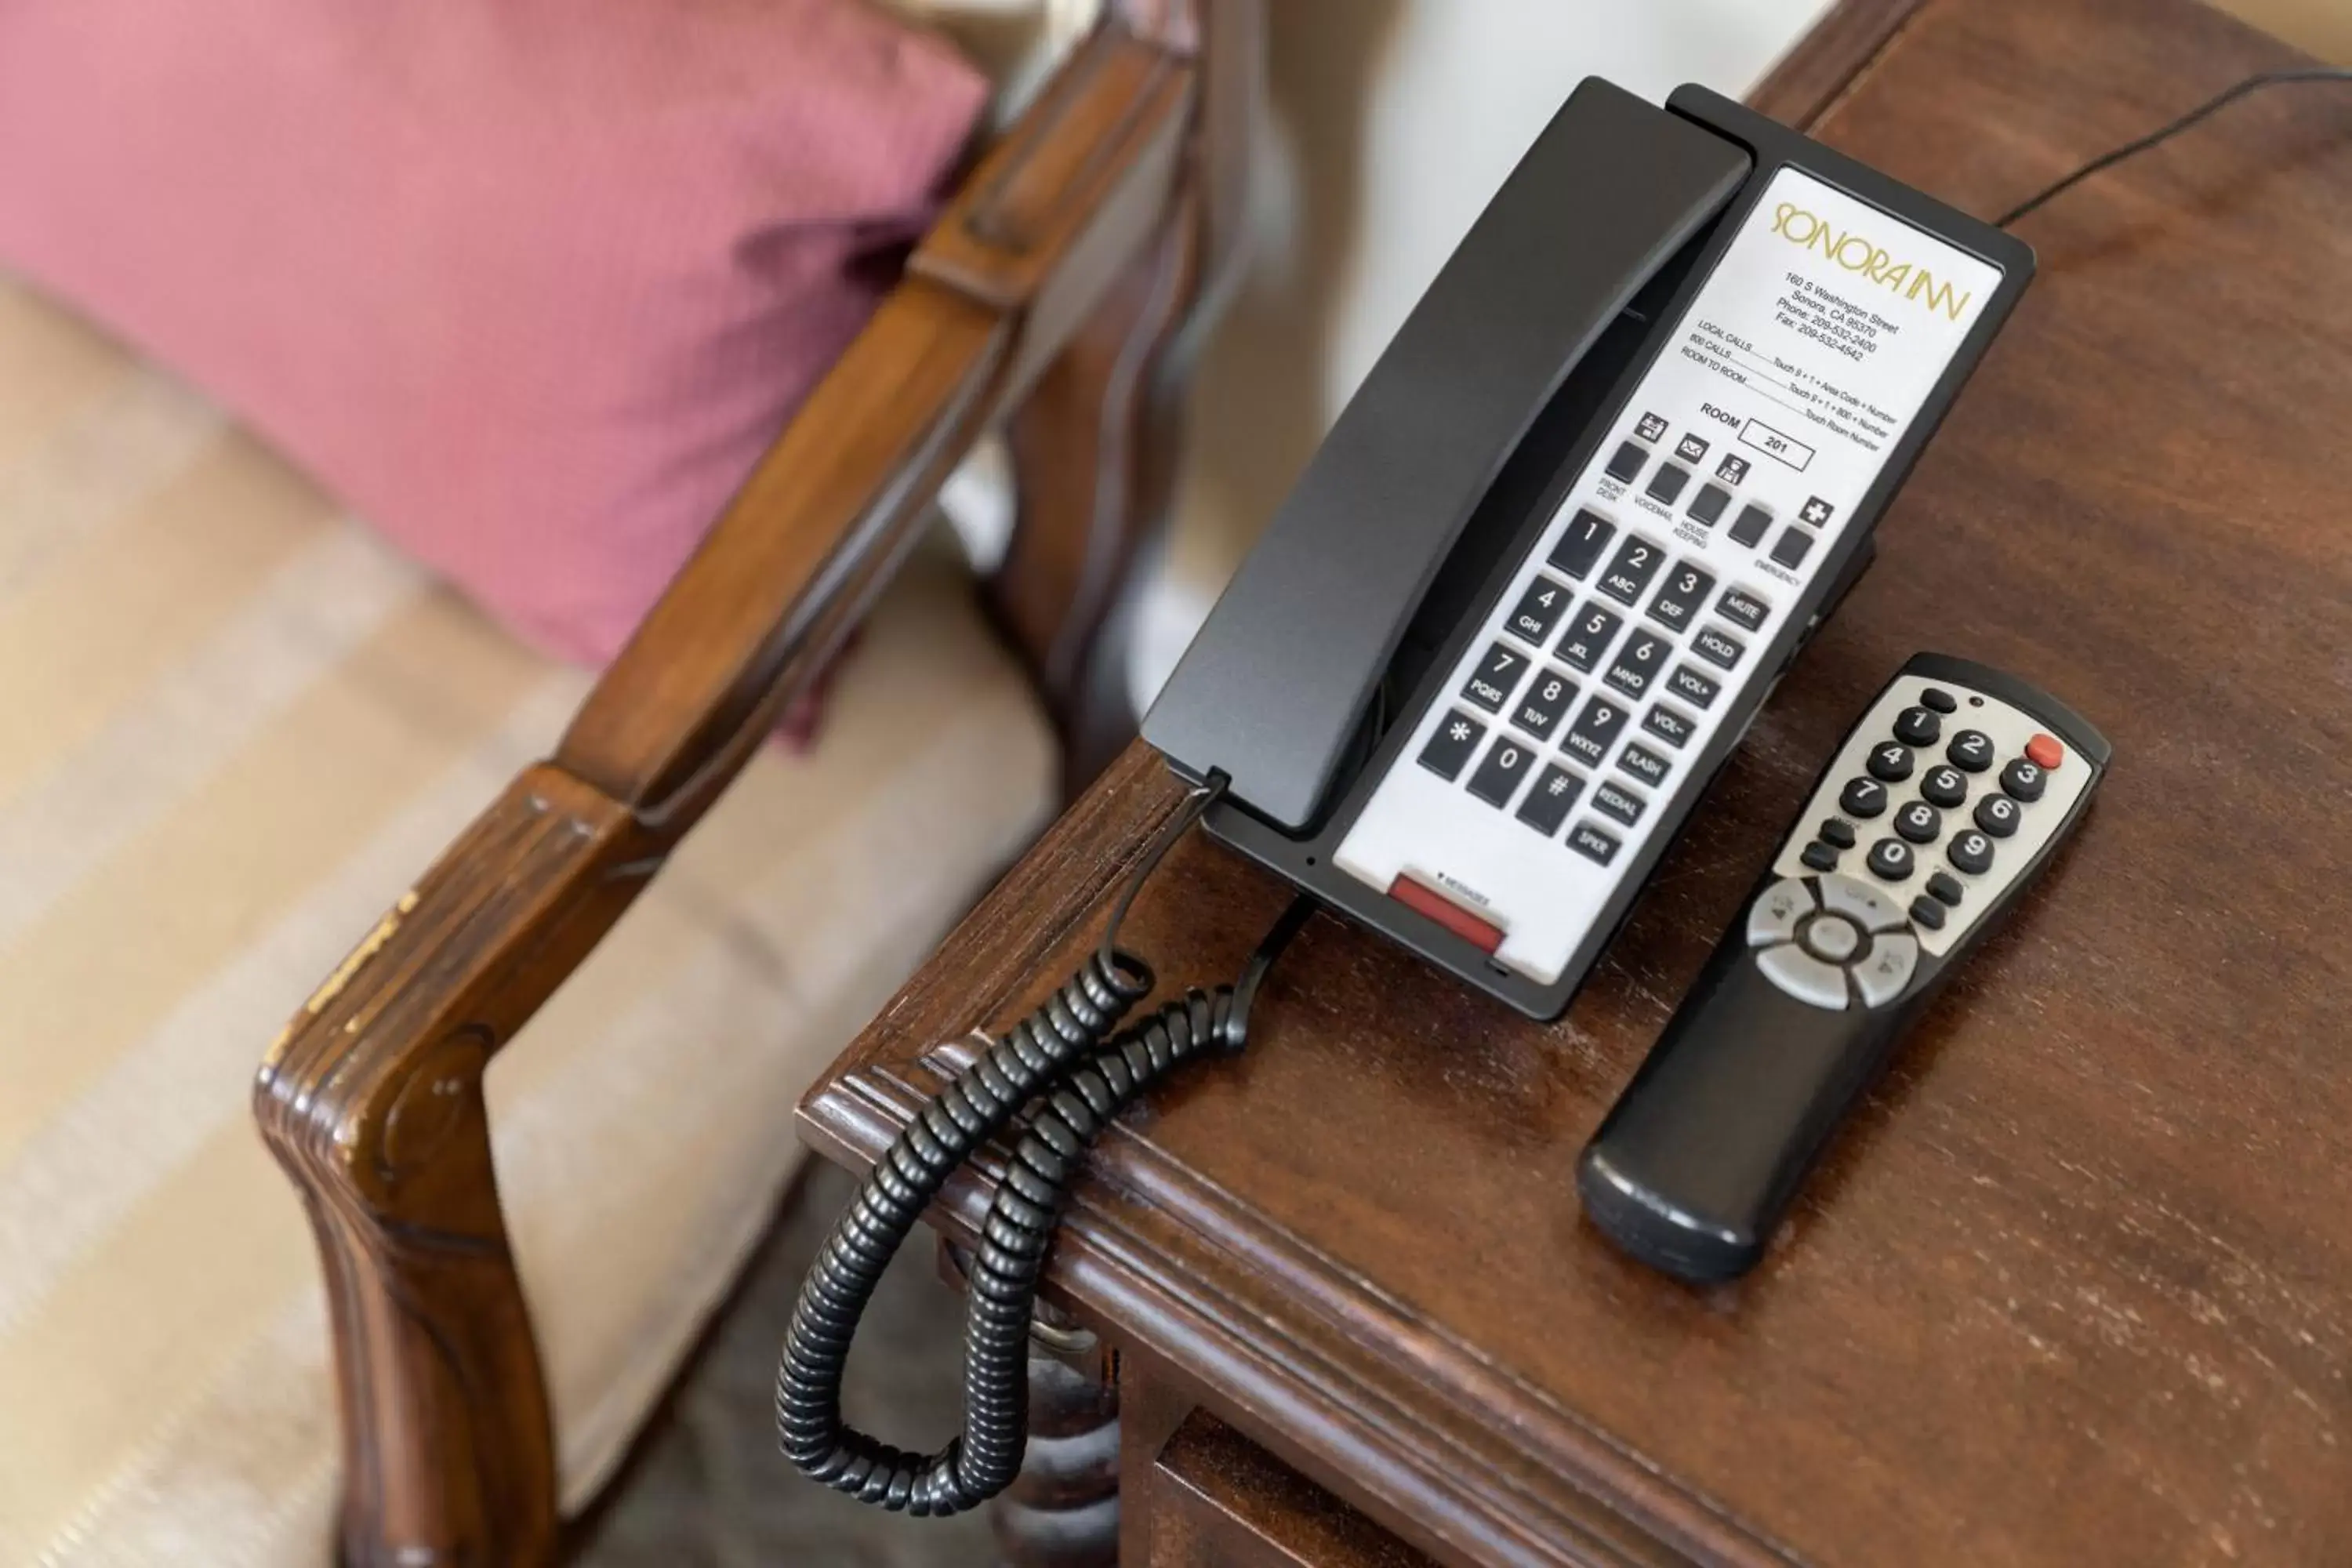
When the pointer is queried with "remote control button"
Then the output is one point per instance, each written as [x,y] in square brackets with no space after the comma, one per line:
[1717,647]
[1889,858]
[1540,609]
[1708,504]
[1971,751]
[1627,462]
[1591,843]
[1750,525]
[1833,937]
[1744,609]
[1490,684]
[1819,857]
[1890,764]
[1637,661]
[1581,545]
[1547,805]
[1946,887]
[1497,777]
[1791,547]
[1637,561]
[1587,637]
[2023,779]
[1691,685]
[1943,785]
[1546,703]
[1918,726]
[1860,902]
[1610,797]
[1667,483]
[1457,736]
[1971,852]
[1998,816]
[1941,701]
[1803,976]
[1668,725]
[1865,798]
[1644,763]
[1595,728]
[1927,911]
[1686,588]
[1919,821]
[2045,751]
[1777,912]
[1837,830]
[1881,976]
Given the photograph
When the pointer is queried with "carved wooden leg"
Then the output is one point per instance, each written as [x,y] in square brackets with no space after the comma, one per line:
[1063,1509]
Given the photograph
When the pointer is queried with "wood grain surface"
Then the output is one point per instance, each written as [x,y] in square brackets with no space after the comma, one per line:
[2075,1284]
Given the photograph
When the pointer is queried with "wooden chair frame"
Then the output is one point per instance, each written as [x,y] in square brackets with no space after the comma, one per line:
[1060,294]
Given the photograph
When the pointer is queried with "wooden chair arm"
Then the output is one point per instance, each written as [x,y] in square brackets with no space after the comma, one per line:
[372,1099]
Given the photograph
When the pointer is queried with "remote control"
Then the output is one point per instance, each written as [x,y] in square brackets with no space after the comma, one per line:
[1941,805]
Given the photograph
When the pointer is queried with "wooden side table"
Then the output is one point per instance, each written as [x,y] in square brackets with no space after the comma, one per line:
[2076,1284]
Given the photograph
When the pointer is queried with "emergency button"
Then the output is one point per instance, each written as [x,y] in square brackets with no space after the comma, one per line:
[2045,752]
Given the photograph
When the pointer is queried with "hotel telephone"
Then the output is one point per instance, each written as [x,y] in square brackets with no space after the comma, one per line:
[1621,458]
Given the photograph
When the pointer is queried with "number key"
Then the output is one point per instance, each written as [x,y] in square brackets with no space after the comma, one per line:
[1863,797]
[1540,609]
[1943,785]
[1595,728]
[1890,764]
[1918,726]
[1679,599]
[1971,750]
[1919,821]
[1587,635]
[1581,545]
[1970,852]
[2023,780]
[1636,563]
[1546,703]
[1998,814]
[1497,675]
[1643,653]
[1506,763]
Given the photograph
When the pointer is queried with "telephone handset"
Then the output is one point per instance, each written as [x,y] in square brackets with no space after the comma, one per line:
[1620,460]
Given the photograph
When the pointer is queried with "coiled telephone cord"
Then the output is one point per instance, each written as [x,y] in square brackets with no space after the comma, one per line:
[1066,1053]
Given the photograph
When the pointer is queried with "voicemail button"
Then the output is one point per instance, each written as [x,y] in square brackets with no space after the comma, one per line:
[1774,444]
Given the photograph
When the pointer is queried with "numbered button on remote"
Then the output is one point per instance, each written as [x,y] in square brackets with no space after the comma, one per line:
[1890,764]
[1457,736]
[1497,675]
[1889,858]
[1685,589]
[1587,635]
[1540,609]
[1998,816]
[1547,805]
[1587,536]
[1918,726]
[1943,785]
[1921,823]
[1970,852]
[1546,703]
[1865,798]
[1595,728]
[1497,778]
[2023,780]
[1971,751]
[1637,561]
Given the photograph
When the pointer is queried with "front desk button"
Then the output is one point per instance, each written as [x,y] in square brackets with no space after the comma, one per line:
[1627,462]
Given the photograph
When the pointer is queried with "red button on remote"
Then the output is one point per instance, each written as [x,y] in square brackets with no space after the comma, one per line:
[2045,752]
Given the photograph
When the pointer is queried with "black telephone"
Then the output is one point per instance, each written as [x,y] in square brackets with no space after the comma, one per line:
[1623,457]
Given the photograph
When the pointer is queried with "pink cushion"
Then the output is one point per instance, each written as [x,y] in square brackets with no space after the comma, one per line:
[528,283]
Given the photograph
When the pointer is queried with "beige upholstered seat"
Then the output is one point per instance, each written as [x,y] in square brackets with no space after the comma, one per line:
[233,726]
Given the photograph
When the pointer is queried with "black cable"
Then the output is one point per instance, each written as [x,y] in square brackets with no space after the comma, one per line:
[2165,133]
[1059,1052]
